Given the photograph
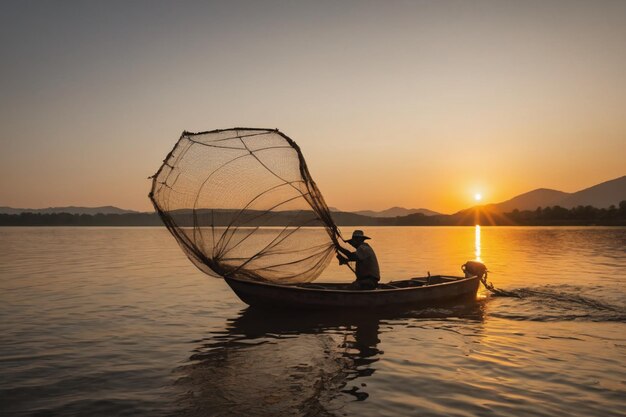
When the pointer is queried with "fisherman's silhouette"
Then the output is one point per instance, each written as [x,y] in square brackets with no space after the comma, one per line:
[366,268]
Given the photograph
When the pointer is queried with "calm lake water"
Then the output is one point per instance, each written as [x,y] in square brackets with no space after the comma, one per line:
[116,321]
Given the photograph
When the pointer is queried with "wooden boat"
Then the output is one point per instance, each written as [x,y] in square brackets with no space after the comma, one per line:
[406,294]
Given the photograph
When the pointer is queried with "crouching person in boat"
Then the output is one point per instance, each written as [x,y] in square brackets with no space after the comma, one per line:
[367,271]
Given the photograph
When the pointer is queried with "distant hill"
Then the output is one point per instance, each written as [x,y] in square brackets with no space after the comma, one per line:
[541,197]
[396,212]
[601,195]
[68,209]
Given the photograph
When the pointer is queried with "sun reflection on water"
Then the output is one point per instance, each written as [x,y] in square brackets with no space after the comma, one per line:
[477,243]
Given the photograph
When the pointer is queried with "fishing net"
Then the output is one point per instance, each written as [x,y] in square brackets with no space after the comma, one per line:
[241,202]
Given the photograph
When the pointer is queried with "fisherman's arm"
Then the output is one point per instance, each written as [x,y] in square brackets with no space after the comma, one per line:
[346,256]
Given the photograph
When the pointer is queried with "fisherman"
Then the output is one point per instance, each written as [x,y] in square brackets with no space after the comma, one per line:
[367,271]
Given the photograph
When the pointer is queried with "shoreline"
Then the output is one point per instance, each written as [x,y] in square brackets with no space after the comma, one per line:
[548,216]
[564,226]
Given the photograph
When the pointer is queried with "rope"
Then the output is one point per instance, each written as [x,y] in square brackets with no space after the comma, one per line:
[496,291]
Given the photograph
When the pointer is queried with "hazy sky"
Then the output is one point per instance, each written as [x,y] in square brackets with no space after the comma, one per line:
[410,103]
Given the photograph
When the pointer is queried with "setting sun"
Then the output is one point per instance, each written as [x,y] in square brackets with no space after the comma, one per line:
[478,196]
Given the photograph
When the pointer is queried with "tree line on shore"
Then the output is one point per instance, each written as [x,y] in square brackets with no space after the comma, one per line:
[546,216]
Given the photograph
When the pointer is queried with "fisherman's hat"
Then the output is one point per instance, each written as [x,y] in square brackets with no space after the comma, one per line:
[359,234]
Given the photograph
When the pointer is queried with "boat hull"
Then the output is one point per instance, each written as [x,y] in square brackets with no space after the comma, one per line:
[275,296]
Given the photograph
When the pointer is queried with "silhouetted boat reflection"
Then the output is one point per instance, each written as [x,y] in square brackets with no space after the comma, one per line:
[281,363]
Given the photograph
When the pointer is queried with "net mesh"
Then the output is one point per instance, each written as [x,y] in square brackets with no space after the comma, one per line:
[241,203]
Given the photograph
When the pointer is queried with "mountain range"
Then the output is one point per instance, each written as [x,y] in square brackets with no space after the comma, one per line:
[395,212]
[68,209]
[601,195]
